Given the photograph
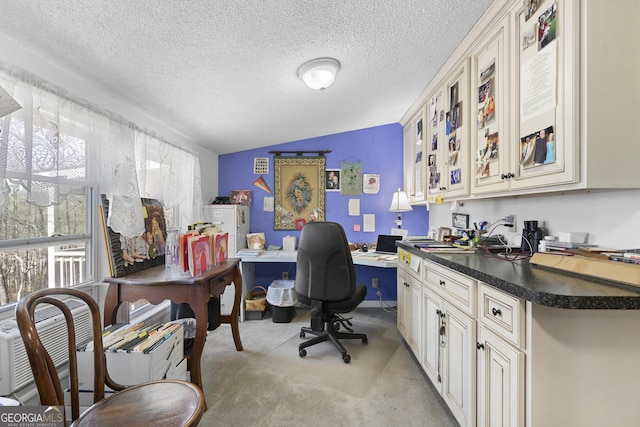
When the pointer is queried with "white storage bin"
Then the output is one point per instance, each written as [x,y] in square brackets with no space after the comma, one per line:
[282,293]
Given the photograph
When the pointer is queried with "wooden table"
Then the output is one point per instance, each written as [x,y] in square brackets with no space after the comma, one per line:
[151,285]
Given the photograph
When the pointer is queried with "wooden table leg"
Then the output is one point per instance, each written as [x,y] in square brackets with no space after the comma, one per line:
[111,304]
[198,302]
[235,311]
[232,319]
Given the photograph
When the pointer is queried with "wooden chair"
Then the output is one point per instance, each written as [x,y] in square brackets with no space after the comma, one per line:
[166,402]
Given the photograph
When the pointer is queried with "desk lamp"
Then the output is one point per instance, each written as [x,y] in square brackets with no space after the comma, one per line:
[399,204]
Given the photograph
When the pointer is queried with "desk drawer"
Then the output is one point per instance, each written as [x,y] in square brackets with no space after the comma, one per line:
[458,289]
[502,313]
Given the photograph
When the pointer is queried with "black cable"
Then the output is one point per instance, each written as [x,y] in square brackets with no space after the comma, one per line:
[517,256]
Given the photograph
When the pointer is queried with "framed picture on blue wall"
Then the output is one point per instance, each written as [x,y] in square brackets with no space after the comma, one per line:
[332,180]
[299,191]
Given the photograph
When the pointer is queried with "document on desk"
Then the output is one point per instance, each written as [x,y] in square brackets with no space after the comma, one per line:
[374,255]
[286,256]
[270,253]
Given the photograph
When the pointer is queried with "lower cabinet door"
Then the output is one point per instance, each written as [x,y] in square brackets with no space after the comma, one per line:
[500,382]
[459,384]
[432,350]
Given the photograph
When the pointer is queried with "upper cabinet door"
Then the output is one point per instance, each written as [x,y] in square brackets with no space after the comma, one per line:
[544,95]
[492,146]
[434,138]
[539,97]
[414,158]
[418,123]
[454,146]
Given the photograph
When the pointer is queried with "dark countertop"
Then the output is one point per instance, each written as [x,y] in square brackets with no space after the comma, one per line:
[539,285]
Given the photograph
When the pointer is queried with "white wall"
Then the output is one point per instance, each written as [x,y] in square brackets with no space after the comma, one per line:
[611,218]
[209,175]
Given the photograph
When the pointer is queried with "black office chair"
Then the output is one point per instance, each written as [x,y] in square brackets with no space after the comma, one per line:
[326,281]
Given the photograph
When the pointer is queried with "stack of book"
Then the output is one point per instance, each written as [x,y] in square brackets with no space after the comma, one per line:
[631,256]
[557,246]
[242,253]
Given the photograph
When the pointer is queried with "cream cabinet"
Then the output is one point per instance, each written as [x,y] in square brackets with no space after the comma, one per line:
[501,368]
[448,124]
[415,153]
[433,330]
[449,338]
[498,360]
[409,289]
[500,382]
[459,379]
[551,101]
[493,159]
[544,97]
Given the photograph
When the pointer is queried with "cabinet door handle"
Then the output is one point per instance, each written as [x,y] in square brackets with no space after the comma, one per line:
[479,346]
[442,282]
[496,312]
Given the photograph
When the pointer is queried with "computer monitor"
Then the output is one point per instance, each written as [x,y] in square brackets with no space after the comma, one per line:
[387,243]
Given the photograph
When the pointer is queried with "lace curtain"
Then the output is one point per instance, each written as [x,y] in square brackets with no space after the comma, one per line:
[161,174]
[55,143]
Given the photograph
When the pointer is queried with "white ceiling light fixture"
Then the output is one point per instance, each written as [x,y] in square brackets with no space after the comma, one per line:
[319,73]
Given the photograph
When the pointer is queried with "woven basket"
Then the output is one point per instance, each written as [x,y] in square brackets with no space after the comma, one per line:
[256,299]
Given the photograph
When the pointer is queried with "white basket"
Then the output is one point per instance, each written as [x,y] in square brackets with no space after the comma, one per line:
[282,293]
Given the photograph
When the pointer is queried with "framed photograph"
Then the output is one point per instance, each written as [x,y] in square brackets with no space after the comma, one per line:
[256,241]
[332,180]
[131,254]
[240,197]
[456,176]
[459,220]
[299,191]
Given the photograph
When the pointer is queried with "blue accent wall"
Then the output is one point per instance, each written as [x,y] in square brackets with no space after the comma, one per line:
[380,149]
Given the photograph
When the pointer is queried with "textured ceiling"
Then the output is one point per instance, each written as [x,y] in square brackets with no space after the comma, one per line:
[223,73]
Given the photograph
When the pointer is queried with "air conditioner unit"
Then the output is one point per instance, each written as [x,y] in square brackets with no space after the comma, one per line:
[15,371]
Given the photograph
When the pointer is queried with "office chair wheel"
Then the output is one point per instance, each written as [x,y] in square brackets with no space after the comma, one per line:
[365,341]
[303,353]
[302,335]
[346,358]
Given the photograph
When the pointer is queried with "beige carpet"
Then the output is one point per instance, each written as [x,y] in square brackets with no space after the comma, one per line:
[323,363]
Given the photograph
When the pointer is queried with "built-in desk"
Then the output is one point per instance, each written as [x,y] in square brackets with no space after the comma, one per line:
[248,264]
[531,346]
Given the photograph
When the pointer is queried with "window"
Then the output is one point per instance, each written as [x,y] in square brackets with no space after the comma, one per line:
[44,247]
[45,221]
[56,156]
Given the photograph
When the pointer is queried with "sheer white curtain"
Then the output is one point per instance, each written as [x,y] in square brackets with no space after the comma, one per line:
[170,174]
[55,143]
[42,145]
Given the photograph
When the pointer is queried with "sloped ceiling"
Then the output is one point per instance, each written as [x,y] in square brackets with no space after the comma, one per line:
[223,72]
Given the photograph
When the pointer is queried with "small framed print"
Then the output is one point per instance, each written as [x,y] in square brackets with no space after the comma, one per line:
[459,220]
[332,180]
[371,183]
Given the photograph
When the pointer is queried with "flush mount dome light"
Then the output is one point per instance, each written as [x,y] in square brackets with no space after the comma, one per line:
[319,73]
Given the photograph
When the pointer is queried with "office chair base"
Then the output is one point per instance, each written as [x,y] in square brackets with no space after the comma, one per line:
[330,334]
